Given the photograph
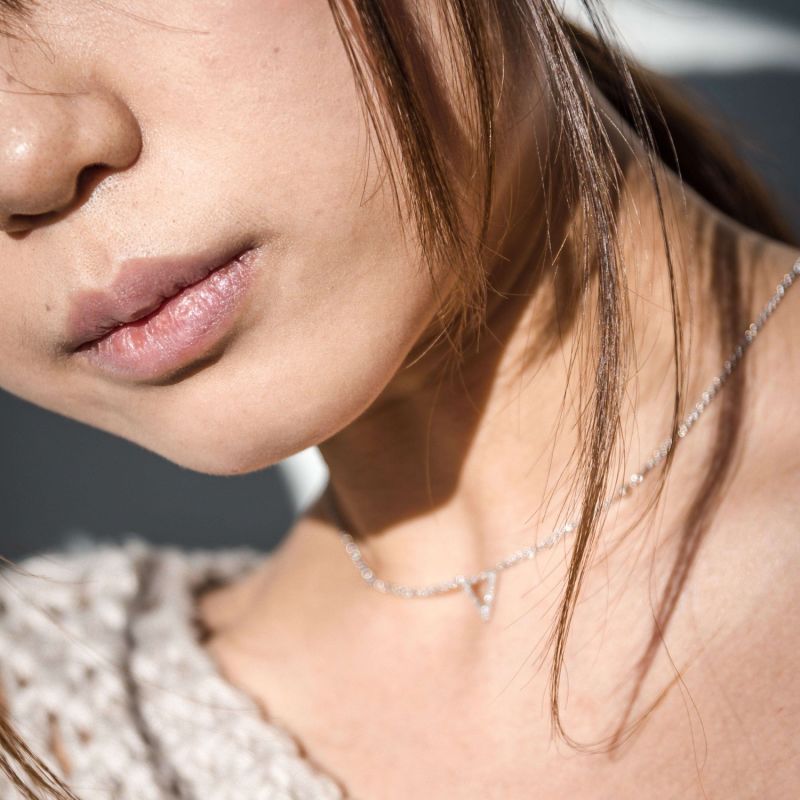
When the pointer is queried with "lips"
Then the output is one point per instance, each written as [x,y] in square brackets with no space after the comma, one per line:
[158,314]
[141,287]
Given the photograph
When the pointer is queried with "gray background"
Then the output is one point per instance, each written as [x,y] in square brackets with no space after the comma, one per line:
[58,477]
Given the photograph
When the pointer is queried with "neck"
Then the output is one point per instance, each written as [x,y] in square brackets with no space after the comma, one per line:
[448,472]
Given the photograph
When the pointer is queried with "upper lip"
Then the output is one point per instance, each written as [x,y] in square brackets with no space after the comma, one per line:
[140,286]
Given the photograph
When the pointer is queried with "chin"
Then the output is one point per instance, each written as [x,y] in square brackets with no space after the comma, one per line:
[243,421]
[226,451]
[237,439]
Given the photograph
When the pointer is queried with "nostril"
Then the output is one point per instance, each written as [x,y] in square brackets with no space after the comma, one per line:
[89,176]
[87,179]
[22,224]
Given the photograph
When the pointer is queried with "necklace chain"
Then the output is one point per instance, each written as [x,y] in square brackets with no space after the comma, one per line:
[468,583]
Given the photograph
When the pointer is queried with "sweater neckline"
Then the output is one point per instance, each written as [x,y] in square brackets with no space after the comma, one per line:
[188,704]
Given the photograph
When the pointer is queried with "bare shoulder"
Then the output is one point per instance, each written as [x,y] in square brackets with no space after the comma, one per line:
[736,635]
[743,603]
[747,612]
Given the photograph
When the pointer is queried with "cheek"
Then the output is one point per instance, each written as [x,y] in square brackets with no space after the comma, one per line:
[28,324]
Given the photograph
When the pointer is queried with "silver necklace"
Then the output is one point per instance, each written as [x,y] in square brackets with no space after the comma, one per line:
[469,583]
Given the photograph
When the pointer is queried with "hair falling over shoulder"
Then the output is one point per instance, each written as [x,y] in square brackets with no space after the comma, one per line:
[483,36]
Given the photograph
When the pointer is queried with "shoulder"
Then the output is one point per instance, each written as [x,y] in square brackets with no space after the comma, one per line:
[60,599]
[51,602]
[62,639]
[744,614]
[64,583]
[67,653]
[88,586]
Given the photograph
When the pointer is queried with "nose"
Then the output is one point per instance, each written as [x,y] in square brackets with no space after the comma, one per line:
[48,145]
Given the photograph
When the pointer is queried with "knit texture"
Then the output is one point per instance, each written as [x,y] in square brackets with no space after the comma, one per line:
[98,643]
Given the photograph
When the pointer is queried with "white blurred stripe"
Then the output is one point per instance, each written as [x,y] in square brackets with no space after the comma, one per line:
[306,475]
[682,36]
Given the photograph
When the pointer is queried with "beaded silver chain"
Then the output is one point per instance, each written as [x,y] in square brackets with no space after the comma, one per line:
[468,583]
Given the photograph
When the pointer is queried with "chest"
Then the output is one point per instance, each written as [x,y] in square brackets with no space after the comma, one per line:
[382,735]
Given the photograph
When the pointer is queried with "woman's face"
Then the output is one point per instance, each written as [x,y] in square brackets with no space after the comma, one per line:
[223,126]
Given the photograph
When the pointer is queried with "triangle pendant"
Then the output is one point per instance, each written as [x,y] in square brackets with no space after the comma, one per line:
[483,600]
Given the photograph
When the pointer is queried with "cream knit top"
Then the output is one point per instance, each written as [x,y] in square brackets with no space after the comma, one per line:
[99,644]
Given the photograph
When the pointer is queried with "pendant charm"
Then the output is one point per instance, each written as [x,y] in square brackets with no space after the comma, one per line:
[482,601]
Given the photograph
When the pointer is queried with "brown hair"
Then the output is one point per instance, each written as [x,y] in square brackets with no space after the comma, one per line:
[384,51]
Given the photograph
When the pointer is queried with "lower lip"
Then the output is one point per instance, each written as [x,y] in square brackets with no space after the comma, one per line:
[181,331]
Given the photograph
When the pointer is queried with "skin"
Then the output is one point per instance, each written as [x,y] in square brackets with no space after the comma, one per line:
[194,121]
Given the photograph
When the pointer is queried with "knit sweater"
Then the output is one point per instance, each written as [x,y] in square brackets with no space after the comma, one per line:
[99,643]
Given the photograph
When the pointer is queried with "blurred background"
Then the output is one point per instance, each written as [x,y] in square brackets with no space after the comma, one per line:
[61,480]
